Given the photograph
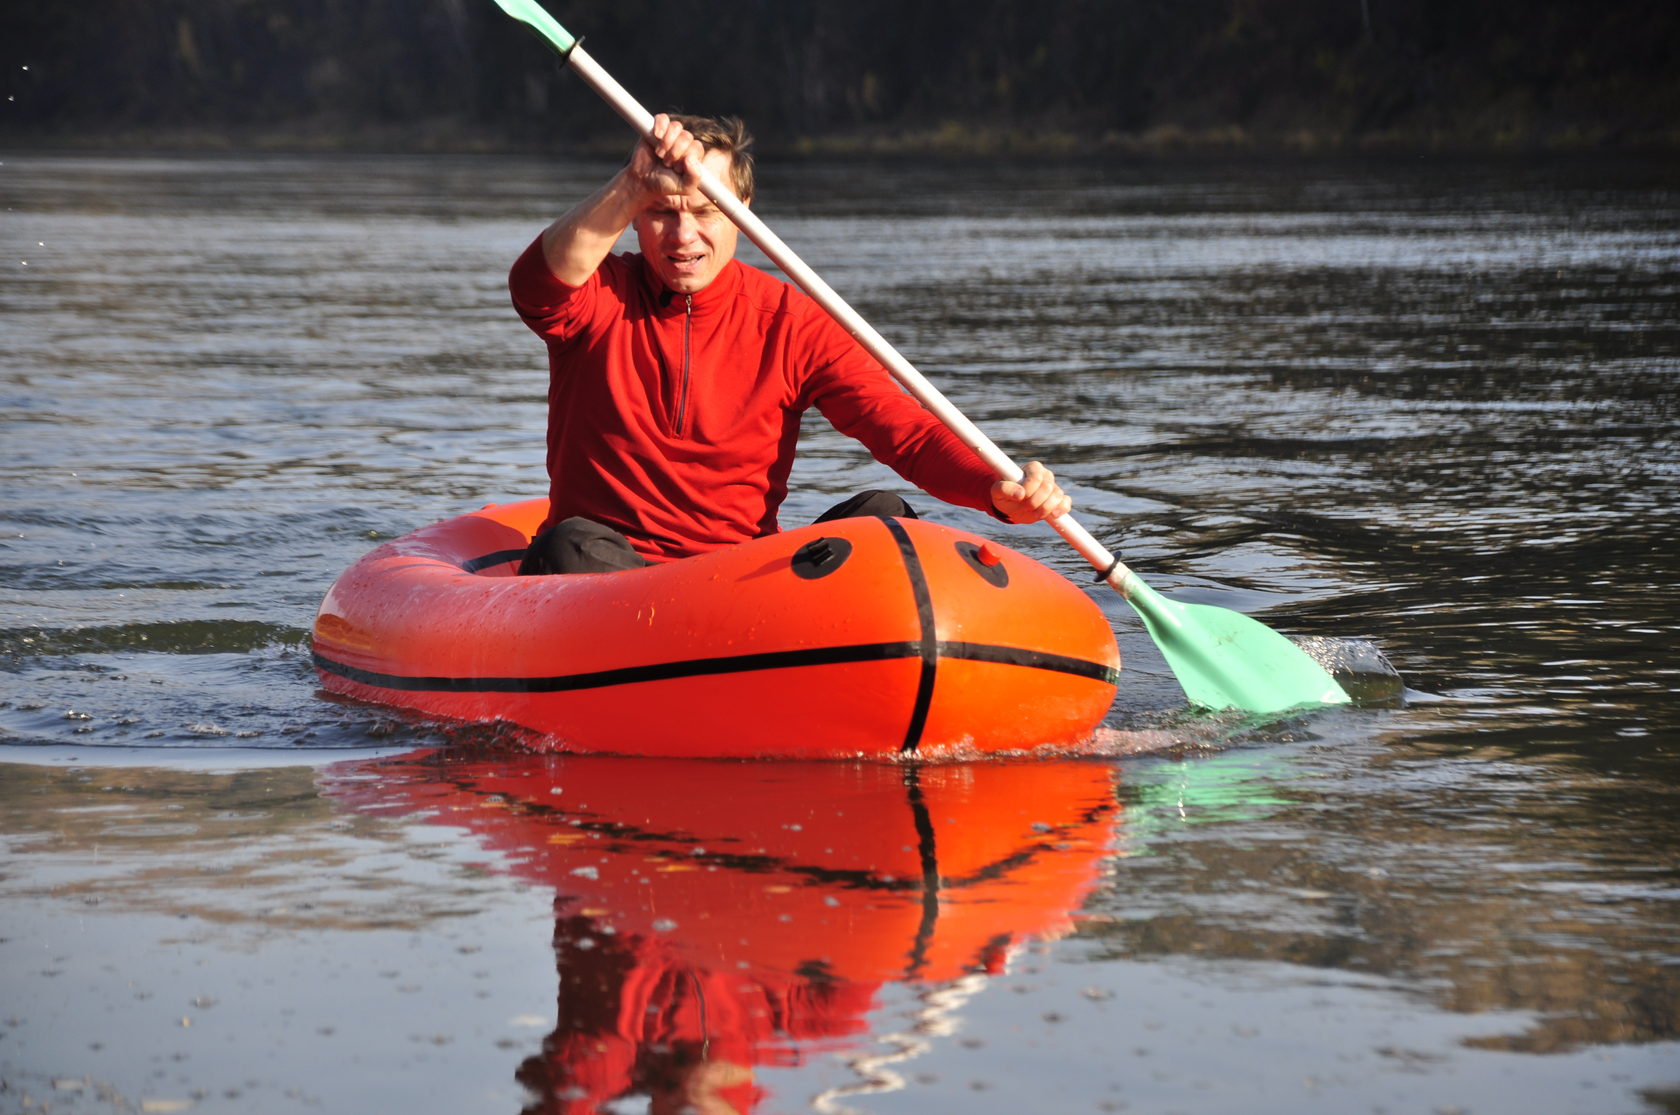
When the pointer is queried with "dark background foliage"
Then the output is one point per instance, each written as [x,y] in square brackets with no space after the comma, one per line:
[1513,74]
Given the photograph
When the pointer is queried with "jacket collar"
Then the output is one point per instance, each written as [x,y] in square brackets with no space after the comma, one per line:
[669,303]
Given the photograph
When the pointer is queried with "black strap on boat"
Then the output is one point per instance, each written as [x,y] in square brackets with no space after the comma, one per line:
[928,644]
[489,561]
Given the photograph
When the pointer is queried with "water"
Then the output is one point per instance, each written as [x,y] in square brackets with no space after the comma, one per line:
[1430,404]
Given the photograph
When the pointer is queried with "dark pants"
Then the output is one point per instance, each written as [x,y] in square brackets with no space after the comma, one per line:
[580,545]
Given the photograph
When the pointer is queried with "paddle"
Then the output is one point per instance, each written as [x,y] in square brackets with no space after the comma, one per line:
[1222,659]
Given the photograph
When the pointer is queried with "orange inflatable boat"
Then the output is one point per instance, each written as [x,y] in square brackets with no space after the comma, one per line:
[854,637]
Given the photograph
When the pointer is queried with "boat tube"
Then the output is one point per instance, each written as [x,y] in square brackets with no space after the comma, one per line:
[855,637]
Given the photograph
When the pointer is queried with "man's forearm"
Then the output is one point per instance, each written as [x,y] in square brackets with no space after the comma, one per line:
[576,243]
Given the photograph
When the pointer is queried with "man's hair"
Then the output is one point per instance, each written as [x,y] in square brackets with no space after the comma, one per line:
[729,135]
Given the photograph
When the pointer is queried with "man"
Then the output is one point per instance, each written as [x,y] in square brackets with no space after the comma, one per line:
[677,376]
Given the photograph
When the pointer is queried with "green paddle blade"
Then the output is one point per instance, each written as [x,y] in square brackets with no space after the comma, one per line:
[1223,659]
[526,11]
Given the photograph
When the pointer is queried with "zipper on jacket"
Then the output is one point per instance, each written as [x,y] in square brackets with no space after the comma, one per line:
[687,359]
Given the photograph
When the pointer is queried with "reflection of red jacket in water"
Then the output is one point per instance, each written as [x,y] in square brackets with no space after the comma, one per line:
[711,917]
[636,1018]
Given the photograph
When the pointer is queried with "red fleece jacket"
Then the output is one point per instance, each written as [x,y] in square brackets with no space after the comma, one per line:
[674,419]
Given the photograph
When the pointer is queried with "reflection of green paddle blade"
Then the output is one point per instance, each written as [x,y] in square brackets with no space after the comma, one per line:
[1224,659]
[527,12]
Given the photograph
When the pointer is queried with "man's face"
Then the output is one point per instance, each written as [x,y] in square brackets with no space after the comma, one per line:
[686,238]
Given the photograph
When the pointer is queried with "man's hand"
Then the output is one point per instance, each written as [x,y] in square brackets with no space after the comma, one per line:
[669,162]
[665,166]
[1036,497]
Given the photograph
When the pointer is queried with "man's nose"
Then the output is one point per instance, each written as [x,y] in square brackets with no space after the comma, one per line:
[684,228]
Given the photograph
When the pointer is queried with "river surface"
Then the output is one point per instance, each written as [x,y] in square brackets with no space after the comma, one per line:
[1425,404]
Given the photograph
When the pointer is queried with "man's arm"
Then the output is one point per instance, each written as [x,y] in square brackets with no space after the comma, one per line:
[575,245]
[860,399]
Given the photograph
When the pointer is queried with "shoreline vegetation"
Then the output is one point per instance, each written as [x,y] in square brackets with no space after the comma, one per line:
[950,139]
[829,78]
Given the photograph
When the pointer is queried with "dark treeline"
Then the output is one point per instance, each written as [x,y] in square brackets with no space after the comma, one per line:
[458,73]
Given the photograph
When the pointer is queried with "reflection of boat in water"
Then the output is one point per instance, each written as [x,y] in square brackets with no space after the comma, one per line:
[857,636]
[711,917]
